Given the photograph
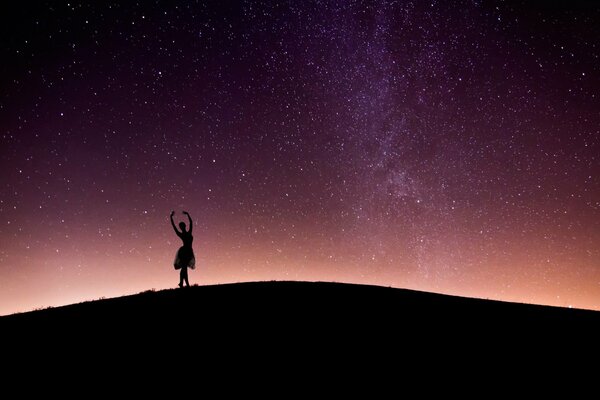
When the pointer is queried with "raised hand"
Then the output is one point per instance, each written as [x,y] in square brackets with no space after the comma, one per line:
[186,213]
[172,213]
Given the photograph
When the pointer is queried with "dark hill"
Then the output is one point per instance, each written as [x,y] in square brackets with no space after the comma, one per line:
[294,337]
[305,304]
[298,319]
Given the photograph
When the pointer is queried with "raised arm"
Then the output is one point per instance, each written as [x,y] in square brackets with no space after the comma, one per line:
[190,221]
[173,224]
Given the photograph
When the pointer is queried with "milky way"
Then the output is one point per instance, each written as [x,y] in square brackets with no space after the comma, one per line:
[439,146]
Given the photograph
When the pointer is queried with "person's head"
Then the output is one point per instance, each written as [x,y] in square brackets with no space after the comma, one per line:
[182,226]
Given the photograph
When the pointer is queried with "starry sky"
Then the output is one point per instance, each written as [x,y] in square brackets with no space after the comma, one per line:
[440,146]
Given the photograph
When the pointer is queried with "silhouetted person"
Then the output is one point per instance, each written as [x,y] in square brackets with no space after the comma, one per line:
[184,258]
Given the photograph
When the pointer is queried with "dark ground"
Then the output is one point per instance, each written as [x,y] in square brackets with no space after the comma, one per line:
[281,325]
[287,308]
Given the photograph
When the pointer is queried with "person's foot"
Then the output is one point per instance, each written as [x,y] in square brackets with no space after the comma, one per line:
[180,285]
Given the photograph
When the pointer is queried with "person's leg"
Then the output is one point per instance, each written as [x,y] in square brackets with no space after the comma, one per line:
[186,277]
[181,277]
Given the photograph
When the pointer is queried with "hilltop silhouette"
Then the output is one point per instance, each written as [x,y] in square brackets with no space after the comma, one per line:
[288,325]
[308,304]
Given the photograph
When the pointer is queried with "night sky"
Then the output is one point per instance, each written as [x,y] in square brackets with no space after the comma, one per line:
[446,146]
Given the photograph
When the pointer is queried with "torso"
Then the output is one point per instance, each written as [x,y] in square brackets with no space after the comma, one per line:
[187,238]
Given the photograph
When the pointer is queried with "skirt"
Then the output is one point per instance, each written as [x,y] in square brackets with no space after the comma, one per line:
[184,258]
